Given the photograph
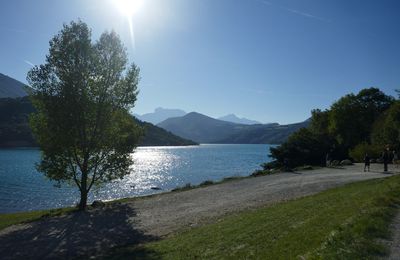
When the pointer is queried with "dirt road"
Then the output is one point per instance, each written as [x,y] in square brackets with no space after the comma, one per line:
[92,233]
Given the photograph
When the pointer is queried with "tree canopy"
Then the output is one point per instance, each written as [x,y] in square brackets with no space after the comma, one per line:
[82,95]
[386,130]
[352,116]
[347,126]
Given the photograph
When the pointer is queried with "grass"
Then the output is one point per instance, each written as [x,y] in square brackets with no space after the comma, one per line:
[341,223]
[10,219]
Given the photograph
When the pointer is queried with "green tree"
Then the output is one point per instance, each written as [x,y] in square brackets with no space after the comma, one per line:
[337,130]
[352,116]
[386,129]
[82,94]
[358,152]
[302,147]
[319,121]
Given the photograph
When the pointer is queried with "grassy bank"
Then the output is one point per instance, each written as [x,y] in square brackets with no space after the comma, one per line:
[10,219]
[340,223]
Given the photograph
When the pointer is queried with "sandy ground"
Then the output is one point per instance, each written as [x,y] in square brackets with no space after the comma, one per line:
[92,233]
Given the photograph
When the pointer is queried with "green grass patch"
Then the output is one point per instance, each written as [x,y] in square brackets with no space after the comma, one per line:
[341,223]
[10,219]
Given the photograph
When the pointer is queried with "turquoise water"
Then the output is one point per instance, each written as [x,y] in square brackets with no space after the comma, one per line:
[22,188]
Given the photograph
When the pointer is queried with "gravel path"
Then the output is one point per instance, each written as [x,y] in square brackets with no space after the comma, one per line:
[394,243]
[92,233]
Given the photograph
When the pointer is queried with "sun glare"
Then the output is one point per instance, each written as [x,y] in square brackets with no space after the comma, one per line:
[129,7]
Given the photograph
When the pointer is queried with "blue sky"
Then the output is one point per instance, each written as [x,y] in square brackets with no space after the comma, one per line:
[271,61]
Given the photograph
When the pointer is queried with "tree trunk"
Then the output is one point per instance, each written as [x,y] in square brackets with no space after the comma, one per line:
[84,191]
[83,201]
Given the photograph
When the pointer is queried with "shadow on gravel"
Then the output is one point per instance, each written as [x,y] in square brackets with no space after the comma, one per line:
[75,235]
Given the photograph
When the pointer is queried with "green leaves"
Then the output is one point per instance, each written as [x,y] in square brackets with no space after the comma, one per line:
[347,123]
[352,116]
[387,128]
[82,95]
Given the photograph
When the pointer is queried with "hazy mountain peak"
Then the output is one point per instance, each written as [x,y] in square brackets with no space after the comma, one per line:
[160,114]
[235,119]
[168,110]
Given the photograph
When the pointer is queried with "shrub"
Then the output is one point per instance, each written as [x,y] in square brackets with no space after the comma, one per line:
[359,151]
[302,147]
[205,183]
[261,173]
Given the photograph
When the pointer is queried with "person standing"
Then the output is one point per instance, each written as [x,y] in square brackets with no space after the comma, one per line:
[367,162]
[395,158]
[386,159]
[328,159]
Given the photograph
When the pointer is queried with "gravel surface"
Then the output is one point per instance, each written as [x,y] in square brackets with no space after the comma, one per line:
[394,243]
[92,233]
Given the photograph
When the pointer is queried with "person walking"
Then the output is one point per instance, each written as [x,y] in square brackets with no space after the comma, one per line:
[386,159]
[367,161]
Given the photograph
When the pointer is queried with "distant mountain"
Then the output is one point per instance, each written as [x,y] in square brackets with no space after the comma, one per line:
[160,114]
[204,129]
[156,136]
[15,131]
[200,128]
[11,88]
[234,119]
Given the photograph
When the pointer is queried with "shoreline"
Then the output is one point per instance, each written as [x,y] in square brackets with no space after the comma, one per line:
[189,186]
[161,215]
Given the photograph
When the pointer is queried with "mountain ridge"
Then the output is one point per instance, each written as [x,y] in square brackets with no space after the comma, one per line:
[160,114]
[204,129]
[15,130]
[239,120]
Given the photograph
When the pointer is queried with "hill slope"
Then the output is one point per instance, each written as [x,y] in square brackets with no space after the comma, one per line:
[157,136]
[200,128]
[15,131]
[204,129]
[11,88]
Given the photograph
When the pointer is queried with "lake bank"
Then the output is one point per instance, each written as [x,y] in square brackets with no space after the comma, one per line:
[162,215]
[23,188]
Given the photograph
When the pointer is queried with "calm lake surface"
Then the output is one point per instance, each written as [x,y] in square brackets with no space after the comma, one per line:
[22,188]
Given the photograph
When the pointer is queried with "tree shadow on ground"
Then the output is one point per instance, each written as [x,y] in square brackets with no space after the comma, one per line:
[76,235]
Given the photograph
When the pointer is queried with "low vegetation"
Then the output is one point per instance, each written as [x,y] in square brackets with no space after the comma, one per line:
[10,219]
[342,223]
[189,186]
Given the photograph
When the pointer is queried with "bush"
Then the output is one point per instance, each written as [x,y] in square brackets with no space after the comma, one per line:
[187,186]
[271,165]
[206,183]
[302,147]
[359,151]
[261,173]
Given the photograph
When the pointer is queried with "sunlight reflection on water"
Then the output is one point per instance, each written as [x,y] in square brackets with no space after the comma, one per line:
[23,188]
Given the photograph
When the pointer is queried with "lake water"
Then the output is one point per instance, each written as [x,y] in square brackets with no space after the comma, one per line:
[22,188]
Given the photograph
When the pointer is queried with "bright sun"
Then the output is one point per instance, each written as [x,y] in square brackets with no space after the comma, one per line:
[129,7]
